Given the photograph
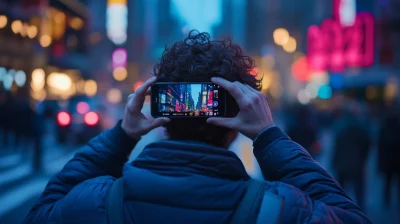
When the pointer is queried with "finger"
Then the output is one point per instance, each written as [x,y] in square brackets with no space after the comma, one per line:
[148,92]
[223,122]
[141,91]
[258,93]
[243,87]
[138,98]
[251,89]
[158,122]
[236,92]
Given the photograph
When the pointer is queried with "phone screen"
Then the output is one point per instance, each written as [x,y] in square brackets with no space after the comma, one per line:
[187,100]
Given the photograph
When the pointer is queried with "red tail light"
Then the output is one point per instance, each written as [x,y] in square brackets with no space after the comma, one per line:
[63,118]
[91,118]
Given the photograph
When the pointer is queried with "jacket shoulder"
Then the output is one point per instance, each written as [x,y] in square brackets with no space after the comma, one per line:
[86,202]
[297,207]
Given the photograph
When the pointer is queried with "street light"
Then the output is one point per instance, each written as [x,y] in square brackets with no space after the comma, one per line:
[290,46]
[45,40]
[90,88]
[281,36]
[3,21]
[16,26]
[120,73]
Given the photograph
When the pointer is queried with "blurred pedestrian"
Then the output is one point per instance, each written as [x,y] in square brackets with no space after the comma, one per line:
[303,130]
[352,144]
[2,117]
[389,153]
[7,119]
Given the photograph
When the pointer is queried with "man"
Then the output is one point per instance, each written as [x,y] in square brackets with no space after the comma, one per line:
[351,146]
[192,178]
[389,152]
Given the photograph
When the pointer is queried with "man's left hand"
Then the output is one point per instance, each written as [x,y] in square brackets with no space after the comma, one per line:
[135,123]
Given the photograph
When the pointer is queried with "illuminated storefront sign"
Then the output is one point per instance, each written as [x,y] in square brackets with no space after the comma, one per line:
[163,98]
[117,21]
[336,44]
[177,108]
[210,98]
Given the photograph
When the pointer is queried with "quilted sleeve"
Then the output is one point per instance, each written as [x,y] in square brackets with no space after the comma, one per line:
[104,155]
[281,159]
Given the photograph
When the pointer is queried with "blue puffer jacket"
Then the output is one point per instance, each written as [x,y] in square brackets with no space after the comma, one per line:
[190,182]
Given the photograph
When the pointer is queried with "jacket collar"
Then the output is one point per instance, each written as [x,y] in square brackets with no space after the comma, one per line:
[182,158]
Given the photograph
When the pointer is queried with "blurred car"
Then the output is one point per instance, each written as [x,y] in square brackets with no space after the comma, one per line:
[80,120]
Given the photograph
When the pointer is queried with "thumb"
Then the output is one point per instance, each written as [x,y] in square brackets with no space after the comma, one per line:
[158,122]
[223,122]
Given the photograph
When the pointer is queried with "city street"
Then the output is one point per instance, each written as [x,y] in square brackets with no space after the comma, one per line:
[21,195]
[329,71]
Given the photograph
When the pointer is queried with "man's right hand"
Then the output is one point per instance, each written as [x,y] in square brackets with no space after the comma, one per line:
[254,115]
[135,123]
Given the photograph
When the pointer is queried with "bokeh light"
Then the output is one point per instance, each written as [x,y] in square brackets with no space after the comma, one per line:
[45,40]
[90,88]
[303,97]
[16,26]
[312,89]
[91,118]
[8,80]
[325,92]
[137,85]
[120,73]
[3,21]
[39,95]
[114,95]
[371,92]
[281,36]
[24,30]
[266,82]
[63,118]
[32,31]
[38,79]
[76,23]
[117,21]
[20,78]
[119,57]
[82,107]
[254,71]
[336,81]
[3,73]
[301,70]
[59,81]
[290,46]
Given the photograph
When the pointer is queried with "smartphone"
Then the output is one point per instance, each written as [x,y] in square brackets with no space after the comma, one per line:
[184,100]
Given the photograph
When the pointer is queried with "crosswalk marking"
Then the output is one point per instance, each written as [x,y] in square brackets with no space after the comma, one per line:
[20,194]
[15,173]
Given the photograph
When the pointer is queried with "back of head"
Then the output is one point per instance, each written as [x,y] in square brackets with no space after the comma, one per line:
[197,59]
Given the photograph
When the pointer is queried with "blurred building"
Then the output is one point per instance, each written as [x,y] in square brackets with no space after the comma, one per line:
[47,41]
[151,28]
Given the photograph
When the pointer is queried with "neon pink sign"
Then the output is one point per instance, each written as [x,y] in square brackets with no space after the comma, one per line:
[334,47]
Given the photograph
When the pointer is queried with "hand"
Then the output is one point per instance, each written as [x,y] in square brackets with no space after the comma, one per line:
[135,123]
[254,115]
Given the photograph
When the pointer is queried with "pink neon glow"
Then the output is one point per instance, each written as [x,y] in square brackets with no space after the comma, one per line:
[82,107]
[336,9]
[335,47]
[119,57]
[301,70]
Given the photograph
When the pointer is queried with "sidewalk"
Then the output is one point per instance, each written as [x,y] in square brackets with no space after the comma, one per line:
[20,185]
[21,196]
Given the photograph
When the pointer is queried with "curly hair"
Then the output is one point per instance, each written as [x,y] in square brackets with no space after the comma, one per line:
[197,59]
